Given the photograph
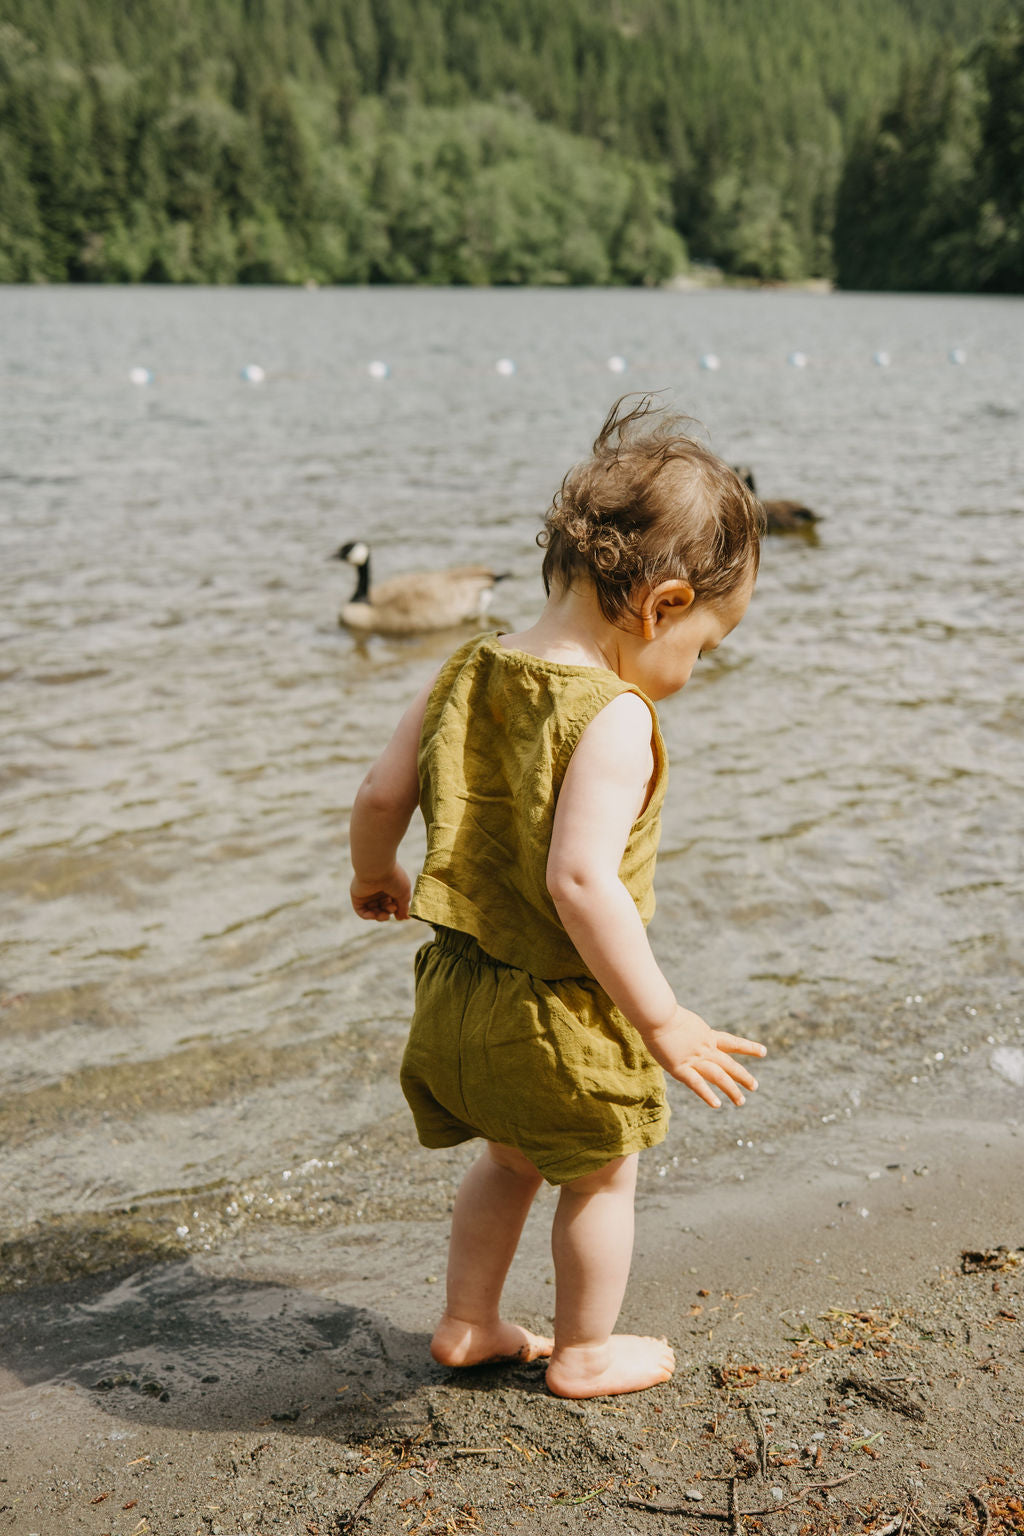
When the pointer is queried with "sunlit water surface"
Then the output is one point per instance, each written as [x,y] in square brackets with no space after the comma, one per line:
[187,1002]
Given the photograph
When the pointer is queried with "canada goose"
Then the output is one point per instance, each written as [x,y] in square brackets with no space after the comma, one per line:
[416,602]
[782,516]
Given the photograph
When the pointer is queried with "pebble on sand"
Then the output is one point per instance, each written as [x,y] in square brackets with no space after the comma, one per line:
[1008,1062]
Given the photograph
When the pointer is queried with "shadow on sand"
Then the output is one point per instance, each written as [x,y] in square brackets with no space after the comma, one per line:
[174,1346]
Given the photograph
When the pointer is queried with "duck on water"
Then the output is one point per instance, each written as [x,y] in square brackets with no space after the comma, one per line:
[781,516]
[416,602]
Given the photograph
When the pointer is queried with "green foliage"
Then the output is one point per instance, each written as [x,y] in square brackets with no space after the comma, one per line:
[500,141]
[488,194]
[932,196]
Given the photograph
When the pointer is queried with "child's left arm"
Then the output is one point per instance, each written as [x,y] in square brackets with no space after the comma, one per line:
[382,810]
[604,788]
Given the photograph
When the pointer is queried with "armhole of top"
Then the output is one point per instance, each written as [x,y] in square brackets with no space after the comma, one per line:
[659,755]
[572,741]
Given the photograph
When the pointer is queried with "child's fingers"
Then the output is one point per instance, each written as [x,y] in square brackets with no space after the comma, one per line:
[737,1043]
[379,907]
[693,1080]
[725,1075]
[722,1080]
[738,1073]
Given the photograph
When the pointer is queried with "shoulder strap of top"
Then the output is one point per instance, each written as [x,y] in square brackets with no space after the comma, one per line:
[598,699]
[443,682]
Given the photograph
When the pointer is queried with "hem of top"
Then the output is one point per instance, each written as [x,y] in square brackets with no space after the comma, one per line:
[444,915]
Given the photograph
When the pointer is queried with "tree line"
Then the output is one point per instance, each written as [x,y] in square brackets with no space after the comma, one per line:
[501,141]
[932,192]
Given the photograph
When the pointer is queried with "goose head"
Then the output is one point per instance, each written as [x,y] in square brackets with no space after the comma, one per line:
[354,553]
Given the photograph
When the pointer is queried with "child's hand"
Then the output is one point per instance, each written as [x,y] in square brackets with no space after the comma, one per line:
[698,1055]
[377,900]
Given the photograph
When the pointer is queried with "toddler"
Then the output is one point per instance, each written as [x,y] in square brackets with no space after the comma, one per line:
[542,1022]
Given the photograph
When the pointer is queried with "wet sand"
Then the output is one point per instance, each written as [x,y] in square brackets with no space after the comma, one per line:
[838,1368]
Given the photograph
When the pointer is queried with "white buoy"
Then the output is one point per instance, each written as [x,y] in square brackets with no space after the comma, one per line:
[797,359]
[505,366]
[957,355]
[141,376]
[710,362]
[882,359]
[617,364]
[252,373]
[379,370]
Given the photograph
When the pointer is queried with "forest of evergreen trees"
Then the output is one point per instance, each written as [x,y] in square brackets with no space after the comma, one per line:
[932,192]
[512,141]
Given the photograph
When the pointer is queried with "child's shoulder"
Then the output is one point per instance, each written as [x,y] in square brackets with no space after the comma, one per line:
[622,728]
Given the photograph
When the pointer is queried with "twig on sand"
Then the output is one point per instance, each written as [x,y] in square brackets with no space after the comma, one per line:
[916,1514]
[582,1498]
[524,1450]
[347,1518]
[884,1395]
[897,1525]
[982,1508]
[732,1514]
[735,1528]
[762,1436]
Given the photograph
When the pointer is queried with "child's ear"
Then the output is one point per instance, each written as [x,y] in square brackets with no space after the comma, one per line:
[668,599]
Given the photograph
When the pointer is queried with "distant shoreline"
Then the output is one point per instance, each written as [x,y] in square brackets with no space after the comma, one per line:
[696,280]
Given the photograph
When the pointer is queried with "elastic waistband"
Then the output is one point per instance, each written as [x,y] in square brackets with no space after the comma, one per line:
[453,942]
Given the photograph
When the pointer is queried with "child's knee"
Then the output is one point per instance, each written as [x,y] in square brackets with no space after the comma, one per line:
[513,1161]
[618,1176]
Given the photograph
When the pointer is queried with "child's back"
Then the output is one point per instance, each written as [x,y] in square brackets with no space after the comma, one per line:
[499,731]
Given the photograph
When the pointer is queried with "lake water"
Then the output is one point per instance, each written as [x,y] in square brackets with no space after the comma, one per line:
[192,1021]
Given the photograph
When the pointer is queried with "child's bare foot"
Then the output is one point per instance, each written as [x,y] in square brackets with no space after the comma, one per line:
[627,1363]
[459,1343]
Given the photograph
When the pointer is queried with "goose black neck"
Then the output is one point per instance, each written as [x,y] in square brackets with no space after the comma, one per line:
[362,591]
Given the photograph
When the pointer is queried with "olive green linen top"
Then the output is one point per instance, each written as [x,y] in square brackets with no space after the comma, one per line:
[499,730]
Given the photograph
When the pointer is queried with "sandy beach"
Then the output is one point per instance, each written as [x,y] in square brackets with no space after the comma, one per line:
[844,1363]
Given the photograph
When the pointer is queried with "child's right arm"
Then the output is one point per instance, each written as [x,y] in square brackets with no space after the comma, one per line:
[601,796]
[381,812]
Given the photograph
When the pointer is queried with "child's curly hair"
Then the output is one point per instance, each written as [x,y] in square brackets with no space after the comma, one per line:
[650,505]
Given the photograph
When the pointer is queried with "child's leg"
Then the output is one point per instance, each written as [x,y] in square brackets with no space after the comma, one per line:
[592,1243]
[490,1210]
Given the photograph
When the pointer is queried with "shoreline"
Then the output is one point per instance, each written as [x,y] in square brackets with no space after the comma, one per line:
[292,1388]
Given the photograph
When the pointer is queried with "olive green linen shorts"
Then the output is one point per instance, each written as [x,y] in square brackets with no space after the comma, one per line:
[549,1067]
